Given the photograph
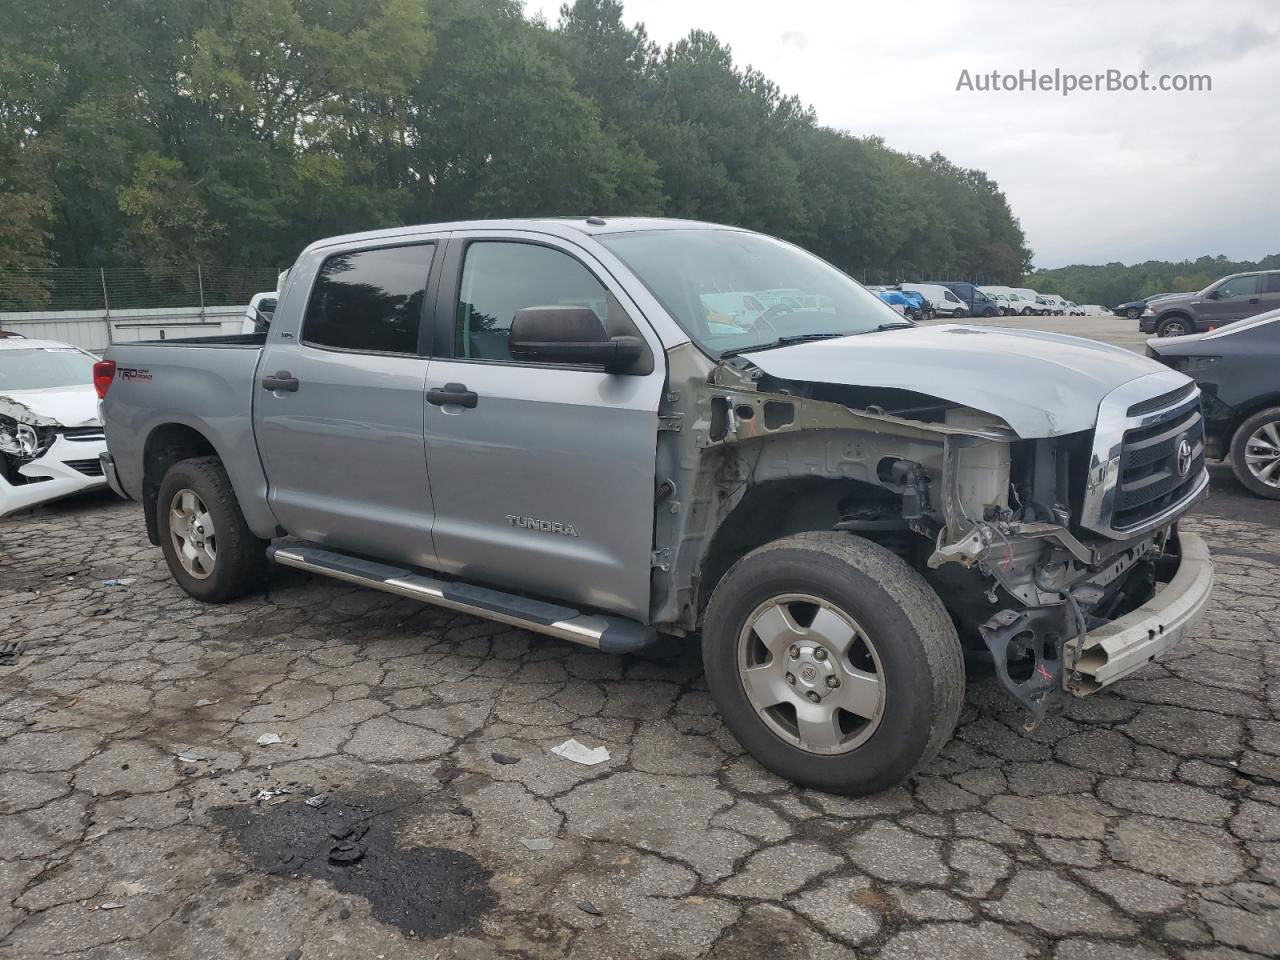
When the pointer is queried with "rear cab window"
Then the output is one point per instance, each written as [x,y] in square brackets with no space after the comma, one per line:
[369,301]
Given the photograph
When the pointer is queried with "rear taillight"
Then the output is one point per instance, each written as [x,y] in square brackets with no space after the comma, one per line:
[104,371]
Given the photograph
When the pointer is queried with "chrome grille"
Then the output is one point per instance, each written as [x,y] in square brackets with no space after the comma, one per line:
[1151,477]
[1135,480]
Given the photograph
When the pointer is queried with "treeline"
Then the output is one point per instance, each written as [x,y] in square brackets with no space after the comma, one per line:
[234,132]
[1114,283]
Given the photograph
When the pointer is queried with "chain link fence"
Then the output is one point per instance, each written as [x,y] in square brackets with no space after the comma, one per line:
[131,288]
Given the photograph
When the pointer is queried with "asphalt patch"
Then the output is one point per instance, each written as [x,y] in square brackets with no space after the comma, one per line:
[429,891]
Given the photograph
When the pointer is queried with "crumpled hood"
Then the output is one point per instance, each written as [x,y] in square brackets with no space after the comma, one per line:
[57,406]
[1041,384]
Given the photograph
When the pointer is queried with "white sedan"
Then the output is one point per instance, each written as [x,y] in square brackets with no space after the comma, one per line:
[50,434]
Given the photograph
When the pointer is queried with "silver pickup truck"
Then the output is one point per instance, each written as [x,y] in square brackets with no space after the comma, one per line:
[609,430]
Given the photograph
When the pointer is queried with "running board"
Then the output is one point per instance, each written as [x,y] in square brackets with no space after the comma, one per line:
[608,634]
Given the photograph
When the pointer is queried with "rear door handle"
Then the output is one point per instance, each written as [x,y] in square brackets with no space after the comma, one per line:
[452,394]
[281,380]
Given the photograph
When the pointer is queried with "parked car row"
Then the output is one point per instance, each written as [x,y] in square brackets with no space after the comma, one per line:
[956,299]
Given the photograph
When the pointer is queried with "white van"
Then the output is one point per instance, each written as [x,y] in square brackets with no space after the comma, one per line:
[1032,306]
[943,301]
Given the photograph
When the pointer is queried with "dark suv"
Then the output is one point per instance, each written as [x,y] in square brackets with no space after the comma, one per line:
[1232,298]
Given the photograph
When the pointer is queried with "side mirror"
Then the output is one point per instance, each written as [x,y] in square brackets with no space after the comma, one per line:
[1213,295]
[562,334]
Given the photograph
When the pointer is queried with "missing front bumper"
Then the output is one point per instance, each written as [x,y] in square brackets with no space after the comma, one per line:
[1116,649]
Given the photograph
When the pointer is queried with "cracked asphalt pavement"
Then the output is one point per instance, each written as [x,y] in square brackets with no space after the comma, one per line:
[1143,823]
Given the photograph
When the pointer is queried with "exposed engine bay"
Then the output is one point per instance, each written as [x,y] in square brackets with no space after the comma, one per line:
[996,523]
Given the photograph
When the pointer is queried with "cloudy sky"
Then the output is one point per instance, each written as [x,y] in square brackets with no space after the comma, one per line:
[1093,177]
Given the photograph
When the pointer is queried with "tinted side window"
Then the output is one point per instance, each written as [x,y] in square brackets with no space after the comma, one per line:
[1273,283]
[1240,286]
[369,300]
[500,278]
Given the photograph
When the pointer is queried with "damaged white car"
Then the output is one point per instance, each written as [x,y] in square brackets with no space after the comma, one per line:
[50,434]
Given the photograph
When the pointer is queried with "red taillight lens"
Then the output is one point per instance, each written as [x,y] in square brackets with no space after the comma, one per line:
[104,371]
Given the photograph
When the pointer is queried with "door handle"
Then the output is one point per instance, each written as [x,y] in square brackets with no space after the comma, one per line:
[452,394]
[281,380]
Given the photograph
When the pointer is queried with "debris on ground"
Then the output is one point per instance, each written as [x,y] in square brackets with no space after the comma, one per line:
[448,773]
[571,749]
[117,582]
[109,905]
[267,739]
[266,795]
[586,906]
[192,755]
[504,758]
[10,650]
[319,800]
[345,853]
[294,955]
[347,850]
[207,703]
[540,843]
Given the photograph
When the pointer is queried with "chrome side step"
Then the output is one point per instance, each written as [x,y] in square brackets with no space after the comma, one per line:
[608,634]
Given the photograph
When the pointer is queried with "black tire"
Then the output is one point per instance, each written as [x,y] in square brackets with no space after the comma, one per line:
[918,652]
[1174,326]
[1239,448]
[1026,311]
[960,314]
[240,564]
[1133,313]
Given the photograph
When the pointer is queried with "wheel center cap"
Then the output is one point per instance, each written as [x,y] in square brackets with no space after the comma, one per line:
[814,670]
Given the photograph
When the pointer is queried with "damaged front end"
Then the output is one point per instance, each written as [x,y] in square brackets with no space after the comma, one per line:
[42,459]
[1058,555]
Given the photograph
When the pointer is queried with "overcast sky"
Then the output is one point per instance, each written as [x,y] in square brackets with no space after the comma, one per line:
[1093,177]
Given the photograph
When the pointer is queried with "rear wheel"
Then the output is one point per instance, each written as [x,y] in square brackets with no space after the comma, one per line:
[960,314]
[1133,313]
[1175,326]
[1255,453]
[1026,311]
[833,662]
[210,550]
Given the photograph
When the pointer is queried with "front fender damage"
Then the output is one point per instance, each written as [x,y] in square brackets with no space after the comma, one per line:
[930,479]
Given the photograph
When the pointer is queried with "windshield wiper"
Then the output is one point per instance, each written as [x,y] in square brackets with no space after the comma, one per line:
[890,326]
[782,342]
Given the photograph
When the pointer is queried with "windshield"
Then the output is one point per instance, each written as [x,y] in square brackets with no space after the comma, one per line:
[721,287]
[39,369]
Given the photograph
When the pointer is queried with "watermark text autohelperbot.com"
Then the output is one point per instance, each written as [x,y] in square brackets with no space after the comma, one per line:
[1066,83]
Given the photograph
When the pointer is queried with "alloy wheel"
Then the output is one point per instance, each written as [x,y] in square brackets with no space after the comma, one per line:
[811,674]
[1262,453]
[191,529]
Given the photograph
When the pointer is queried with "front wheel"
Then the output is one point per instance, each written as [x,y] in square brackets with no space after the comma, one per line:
[960,314]
[1255,453]
[1173,327]
[833,663]
[210,550]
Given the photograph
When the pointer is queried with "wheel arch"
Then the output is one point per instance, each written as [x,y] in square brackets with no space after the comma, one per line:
[779,508]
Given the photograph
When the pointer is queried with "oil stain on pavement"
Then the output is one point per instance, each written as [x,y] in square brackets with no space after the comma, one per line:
[429,891]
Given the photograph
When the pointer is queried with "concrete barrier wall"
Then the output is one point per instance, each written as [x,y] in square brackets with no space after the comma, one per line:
[94,330]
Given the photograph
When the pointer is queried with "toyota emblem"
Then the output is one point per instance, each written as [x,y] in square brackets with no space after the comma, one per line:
[1184,457]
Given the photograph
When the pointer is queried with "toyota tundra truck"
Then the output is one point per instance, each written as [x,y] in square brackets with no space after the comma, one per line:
[556,425]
